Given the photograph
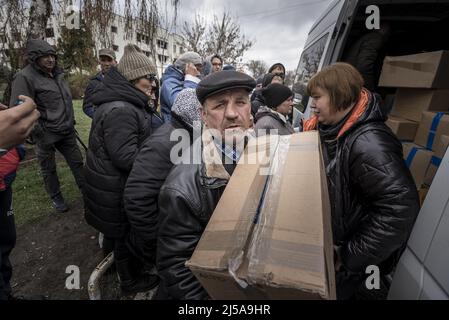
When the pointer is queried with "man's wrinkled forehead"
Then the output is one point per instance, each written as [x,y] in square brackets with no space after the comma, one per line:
[237,93]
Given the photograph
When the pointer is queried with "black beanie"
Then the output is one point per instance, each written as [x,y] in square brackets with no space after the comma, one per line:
[275,94]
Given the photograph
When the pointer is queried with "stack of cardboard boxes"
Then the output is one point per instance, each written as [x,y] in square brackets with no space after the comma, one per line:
[420,114]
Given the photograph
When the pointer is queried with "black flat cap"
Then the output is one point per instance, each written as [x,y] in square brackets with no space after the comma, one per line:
[222,81]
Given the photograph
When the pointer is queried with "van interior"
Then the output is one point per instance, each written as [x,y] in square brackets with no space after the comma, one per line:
[415,26]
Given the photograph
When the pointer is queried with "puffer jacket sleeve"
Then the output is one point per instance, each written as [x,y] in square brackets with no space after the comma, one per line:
[385,187]
[179,232]
[149,172]
[121,137]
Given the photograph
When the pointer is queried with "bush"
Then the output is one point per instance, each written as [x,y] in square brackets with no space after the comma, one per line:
[78,83]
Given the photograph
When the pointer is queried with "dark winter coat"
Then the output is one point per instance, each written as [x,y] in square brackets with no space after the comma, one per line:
[120,126]
[373,197]
[267,120]
[88,106]
[50,93]
[187,201]
[258,102]
[366,55]
[151,168]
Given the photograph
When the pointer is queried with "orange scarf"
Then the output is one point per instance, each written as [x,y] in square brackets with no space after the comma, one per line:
[357,112]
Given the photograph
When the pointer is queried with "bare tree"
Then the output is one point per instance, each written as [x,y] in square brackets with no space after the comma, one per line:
[223,36]
[40,12]
[195,33]
[257,67]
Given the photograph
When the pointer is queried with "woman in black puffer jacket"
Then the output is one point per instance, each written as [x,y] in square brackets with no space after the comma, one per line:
[374,200]
[123,120]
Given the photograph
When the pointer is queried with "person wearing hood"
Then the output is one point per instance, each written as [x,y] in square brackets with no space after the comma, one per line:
[274,116]
[151,168]
[43,81]
[124,119]
[278,69]
[258,99]
[374,201]
[106,59]
[183,74]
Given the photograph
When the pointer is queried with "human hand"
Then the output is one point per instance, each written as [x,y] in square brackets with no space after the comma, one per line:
[16,123]
[192,70]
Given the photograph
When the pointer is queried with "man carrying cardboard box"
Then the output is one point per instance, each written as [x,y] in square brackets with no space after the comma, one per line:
[192,191]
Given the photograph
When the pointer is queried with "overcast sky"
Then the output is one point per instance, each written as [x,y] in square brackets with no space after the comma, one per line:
[279,27]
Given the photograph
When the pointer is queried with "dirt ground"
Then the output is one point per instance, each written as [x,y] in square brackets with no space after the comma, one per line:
[46,248]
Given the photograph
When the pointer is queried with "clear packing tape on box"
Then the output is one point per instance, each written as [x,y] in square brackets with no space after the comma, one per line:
[260,249]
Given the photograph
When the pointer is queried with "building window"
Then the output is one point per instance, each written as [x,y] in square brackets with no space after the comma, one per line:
[49,33]
[115,48]
[162,44]
[181,50]
[162,58]
[114,29]
[174,48]
[138,37]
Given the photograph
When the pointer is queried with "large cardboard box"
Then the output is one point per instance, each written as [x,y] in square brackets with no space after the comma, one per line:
[411,103]
[424,70]
[440,152]
[286,252]
[432,126]
[403,129]
[418,161]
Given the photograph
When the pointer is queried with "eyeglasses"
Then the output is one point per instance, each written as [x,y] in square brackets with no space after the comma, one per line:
[151,77]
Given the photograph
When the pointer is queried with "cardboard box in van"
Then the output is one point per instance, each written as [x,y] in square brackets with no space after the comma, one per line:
[403,129]
[432,126]
[270,236]
[418,160]
[424,70]
[411,103]
[440,152]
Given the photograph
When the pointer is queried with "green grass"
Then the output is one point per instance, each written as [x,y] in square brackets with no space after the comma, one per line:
[31,201]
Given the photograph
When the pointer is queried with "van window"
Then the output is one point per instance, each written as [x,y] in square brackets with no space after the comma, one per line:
[307,68]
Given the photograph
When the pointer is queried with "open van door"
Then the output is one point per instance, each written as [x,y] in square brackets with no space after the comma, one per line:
[324,45]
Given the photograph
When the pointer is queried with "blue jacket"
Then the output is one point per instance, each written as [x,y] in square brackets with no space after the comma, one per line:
[173,82]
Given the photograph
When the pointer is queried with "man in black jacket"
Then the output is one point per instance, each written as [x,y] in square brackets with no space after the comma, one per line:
[192,190]
[43,81]
[151,168]
[107,59]
[122,122]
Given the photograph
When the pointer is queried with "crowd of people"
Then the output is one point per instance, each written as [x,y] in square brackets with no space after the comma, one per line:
[153,210]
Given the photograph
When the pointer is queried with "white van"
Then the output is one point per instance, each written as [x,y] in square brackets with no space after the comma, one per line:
[417,26]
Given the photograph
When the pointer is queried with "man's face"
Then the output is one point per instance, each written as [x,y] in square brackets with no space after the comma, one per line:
[278,71]
[106,63]
[47,62]
[199,67]
[286,107]
[229,113]
[217,65]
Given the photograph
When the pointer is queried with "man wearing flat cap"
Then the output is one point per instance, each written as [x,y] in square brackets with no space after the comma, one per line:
[106,59]
[192,191]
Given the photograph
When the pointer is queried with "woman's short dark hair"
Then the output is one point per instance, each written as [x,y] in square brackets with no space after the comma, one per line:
[342,82]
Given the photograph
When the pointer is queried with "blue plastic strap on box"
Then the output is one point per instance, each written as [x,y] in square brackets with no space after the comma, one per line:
[433,130]
[436,161]
[411,157]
